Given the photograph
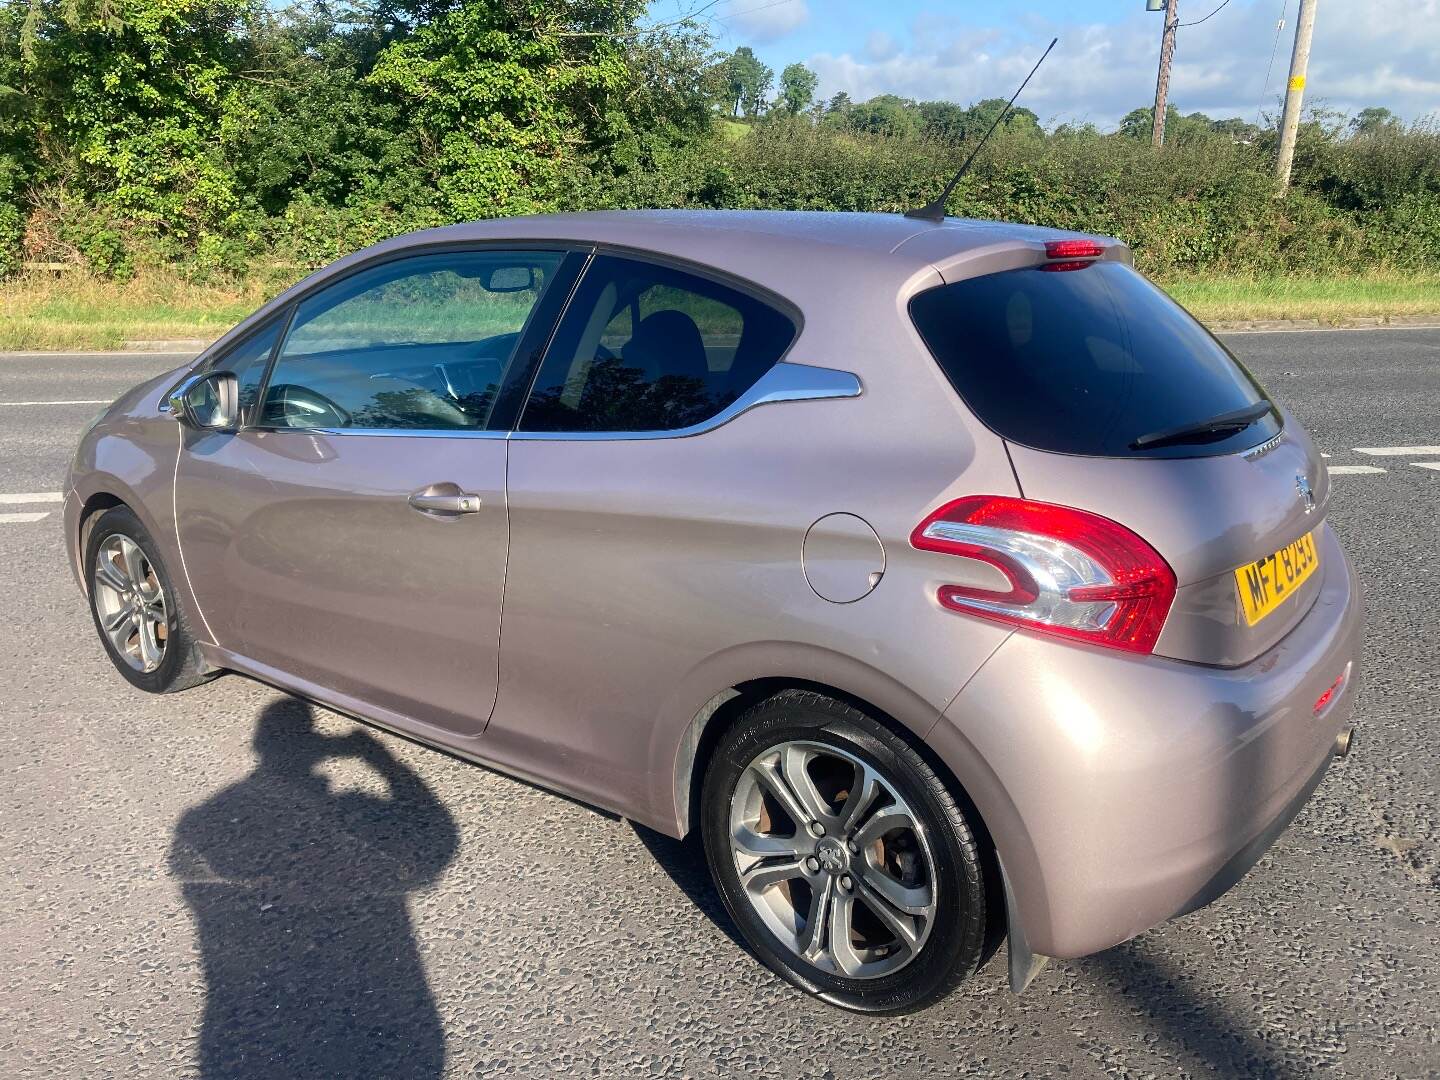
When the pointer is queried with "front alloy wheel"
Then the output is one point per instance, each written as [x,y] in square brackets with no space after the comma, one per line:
[130,603]
[847,863]
[136,613]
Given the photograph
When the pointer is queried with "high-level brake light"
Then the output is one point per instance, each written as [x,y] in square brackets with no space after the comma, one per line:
[1076,254]
[1073,249]
[1069,572]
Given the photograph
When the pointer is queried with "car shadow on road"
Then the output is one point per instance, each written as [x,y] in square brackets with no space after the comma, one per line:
[1194,1023]
[299,899]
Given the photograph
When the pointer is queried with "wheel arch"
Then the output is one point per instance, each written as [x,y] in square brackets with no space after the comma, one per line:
[90,510]
[723,708]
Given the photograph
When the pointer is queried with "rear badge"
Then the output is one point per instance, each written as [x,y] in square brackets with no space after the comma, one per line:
[1307,497]
[1257,452]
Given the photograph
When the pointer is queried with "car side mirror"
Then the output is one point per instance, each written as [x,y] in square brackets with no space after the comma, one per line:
[208,402]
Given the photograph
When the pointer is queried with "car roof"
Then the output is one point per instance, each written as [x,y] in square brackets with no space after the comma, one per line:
[799,254]
[711,236]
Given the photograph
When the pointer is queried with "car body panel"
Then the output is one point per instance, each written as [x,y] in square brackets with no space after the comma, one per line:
[1206,516]
[1117,786]
[305,554]
[648,578]
[610,539]
[129,454]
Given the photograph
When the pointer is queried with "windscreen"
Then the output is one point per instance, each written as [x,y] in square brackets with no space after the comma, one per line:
[1088,361]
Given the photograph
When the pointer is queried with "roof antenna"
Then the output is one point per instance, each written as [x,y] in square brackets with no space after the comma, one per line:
[935,211]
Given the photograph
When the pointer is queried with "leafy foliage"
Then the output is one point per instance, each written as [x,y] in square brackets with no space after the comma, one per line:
[245,137]
[747,82]
[797,88]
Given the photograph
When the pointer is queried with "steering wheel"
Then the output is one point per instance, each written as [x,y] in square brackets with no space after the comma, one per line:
[300,403]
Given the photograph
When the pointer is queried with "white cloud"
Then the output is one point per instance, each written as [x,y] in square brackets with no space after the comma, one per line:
[1363,55]
[880,46]
[763,21]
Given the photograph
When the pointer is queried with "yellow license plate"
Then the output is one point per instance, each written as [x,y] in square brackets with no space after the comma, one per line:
[1266,584]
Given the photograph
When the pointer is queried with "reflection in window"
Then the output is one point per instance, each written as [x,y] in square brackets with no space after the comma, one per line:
[420,343]
[650,348]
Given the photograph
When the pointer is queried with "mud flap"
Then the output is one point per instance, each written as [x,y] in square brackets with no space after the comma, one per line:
[1024,964]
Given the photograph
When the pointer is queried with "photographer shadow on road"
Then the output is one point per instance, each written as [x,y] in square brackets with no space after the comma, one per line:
[299,900]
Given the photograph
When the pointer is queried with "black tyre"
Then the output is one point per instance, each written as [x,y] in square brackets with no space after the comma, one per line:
[135,609]
[845,861]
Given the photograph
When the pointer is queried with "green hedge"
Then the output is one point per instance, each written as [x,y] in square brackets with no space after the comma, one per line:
[1360,203]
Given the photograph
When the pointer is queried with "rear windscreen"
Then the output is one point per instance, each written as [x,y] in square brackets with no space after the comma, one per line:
[1087,361]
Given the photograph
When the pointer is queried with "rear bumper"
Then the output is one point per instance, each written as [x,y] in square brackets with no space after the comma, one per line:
[1122,791]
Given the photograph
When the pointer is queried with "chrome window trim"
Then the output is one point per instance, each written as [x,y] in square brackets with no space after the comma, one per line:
[784,382]
[387,433]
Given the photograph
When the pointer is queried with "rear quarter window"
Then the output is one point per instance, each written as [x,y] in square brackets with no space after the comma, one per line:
[1086,361]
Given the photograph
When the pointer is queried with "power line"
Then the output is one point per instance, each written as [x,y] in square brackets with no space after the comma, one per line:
[727,16]
[1270,67]
[1212,14]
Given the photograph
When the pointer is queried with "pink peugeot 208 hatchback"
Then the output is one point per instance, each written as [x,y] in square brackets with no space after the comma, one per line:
[949,579]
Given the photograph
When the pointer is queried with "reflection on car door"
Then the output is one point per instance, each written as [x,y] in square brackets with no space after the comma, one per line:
[354,535]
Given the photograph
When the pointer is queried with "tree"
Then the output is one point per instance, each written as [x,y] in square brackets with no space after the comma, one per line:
[982,114]
[1238,130]
[1137,123]
[797,88]
[749,82]
[884,115]
[510,95]
[943,120]
[126,98]
[1374,120]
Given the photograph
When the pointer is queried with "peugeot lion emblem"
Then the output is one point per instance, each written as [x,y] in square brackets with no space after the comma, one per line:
[1302,488]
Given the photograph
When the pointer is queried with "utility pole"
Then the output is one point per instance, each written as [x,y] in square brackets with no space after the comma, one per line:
[1162,80]
[1294,92]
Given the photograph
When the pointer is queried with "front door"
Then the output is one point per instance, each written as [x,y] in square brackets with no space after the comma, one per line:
[353,534]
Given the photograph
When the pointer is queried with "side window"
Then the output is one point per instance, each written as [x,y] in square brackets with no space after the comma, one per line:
[248,361]
[650,348]
[422,342]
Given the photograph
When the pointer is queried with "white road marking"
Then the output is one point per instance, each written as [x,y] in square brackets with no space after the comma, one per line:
[86,401]
[33,497]
[1427,465]
[1331,329]
[16,519]
[1398,451]
[1344,469]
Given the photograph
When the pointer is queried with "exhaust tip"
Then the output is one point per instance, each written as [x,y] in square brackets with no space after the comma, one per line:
[1344,741]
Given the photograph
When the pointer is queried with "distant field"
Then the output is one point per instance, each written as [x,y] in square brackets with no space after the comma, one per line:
[46,311]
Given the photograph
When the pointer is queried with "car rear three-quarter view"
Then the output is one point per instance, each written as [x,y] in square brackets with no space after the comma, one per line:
[947,579]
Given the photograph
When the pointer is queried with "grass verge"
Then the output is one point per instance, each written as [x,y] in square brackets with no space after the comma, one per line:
[1330,300]
[75,311]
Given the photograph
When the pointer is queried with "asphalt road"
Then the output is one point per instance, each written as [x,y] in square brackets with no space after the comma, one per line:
[413,915]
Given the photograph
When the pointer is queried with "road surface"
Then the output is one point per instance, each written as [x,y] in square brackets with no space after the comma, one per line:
[417,916]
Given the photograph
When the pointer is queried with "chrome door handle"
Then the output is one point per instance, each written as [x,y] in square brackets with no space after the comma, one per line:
[464,503]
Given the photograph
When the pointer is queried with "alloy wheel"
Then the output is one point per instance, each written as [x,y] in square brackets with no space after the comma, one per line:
[130,603]
[832,859]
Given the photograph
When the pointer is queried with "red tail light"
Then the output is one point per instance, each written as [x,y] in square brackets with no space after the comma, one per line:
[1078,254]
[1070,573]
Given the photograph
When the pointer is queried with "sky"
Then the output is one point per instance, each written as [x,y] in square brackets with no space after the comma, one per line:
[1366,52]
